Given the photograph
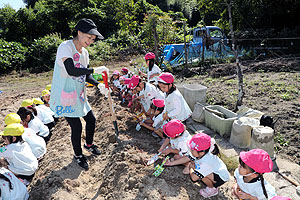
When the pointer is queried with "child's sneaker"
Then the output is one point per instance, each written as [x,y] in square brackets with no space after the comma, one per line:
[81,160]
[209,192]
[92,148]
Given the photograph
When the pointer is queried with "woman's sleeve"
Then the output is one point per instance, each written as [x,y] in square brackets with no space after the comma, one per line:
[73,71]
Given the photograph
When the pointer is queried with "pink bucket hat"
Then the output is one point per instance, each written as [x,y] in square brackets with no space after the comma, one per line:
[134,82]
[149,56]
[124,69]
[281,198]
[127,80]
[257,159]
[116,72]
[200,142]
[173,128]
[166,78]
[159,103]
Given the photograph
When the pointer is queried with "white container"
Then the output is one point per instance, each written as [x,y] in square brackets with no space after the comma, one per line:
[263,138]
[198,113]
[180,88]
[193,93]
[241,131]
[219,119]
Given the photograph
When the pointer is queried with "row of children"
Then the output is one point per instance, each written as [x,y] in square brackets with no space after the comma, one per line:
[25,136]
[166,112]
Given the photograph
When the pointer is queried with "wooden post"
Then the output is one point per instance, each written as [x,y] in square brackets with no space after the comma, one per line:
[238,67]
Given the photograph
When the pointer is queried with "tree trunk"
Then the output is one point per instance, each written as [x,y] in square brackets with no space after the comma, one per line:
[238,67]
[155,39]
[185,50]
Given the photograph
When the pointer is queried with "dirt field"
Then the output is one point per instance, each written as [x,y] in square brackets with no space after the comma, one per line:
[120,173]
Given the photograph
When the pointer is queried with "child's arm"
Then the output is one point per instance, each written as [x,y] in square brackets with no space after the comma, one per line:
[163,146]
[147,126]
[243,195]
[179,161]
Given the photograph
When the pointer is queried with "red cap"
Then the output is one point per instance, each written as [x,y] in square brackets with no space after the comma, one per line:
[149,56]
[257,159]
[116,72]
[281,198]
[200,142]
[124,69]
[134,82]
[159,102]
[173,128]
[127,80]
[166,78]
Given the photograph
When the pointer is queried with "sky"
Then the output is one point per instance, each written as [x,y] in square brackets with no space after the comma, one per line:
[16,4]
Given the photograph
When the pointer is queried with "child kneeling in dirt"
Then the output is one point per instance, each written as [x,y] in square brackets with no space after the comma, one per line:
[205,165]
[11,187]
[18,154]
[177,140]
[176,106]
[115,83]
[37,144]
[250,183]
[29,121]
[156,122]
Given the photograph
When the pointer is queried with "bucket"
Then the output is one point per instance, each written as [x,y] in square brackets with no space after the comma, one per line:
[97,77]
[263,138]
[194,93]
[241,131]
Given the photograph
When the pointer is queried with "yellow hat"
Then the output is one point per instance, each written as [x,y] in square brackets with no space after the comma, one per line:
[45,92]
[12,118]
[26,102]
[37,101]
[48,87]
[13,130]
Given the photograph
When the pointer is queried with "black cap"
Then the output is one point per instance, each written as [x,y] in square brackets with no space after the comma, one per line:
[88,26]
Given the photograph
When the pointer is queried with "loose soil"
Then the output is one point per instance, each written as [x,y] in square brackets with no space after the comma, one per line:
[119,172]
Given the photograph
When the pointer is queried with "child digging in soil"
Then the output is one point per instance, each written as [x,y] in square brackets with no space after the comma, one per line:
[250,183]
[156,122]
[177,140]
[36,143]
[205,165]
[29,121]
[115,83]
[18,154]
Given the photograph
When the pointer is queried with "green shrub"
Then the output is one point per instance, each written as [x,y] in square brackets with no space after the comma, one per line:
[12,56]
[42,52]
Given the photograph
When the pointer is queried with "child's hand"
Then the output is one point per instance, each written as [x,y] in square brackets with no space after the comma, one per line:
[168,163]
[243,195]
[192,165]
[234,189]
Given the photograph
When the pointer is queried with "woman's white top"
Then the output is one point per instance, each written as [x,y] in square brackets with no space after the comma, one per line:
[36,143]
[210,163]
[176,106]
[18,191]
[45,116]
[155,70]
[38,127]
[180,143]
[254,189]
[20,158]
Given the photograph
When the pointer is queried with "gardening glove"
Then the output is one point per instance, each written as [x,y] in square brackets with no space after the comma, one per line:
[103,90]
[99,70]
